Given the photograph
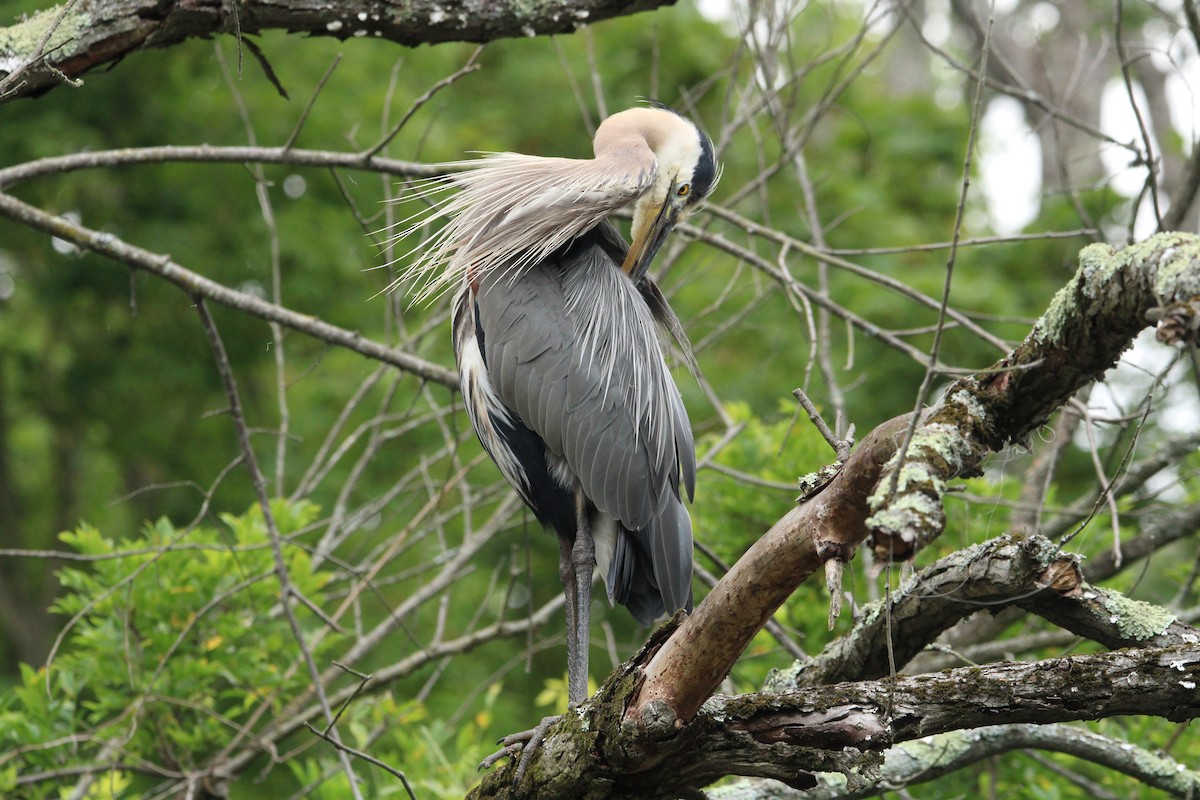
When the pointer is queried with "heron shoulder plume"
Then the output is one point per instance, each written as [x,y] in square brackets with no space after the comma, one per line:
[510,211]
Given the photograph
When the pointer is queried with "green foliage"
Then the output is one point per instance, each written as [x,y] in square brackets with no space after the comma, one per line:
[178,648]
[777,450]
[175,642]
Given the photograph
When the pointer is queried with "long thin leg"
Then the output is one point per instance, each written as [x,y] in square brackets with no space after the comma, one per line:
[575,562]
[566,574]
[583,558]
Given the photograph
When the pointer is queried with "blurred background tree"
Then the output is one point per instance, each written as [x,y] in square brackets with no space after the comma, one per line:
[847,131]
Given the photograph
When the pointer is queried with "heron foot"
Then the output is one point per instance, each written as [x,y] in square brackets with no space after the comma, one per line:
[524,742]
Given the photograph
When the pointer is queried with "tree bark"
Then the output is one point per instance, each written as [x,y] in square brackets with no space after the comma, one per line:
[932,757]
[58,45]
[1017,571]
[596,753]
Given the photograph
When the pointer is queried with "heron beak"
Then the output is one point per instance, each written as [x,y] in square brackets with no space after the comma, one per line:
[648,236]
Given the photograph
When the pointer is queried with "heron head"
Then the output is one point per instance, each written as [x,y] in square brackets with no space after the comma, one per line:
[686,174]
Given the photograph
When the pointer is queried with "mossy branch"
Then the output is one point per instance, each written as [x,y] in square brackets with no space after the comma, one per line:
[924,760]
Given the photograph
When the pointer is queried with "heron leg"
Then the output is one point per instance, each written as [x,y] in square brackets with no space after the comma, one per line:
[576,558]
[566,574]
[583,559]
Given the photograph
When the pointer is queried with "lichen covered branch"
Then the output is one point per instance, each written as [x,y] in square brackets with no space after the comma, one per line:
[923,760]
[1091,321]
[50,48]
[1026,572]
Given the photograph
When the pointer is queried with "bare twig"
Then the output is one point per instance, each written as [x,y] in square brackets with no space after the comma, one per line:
[287,590]
[110,246]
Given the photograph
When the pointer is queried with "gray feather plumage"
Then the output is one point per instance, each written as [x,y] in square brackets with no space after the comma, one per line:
[572,348]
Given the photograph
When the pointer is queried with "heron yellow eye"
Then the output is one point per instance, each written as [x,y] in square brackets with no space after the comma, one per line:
[682,191]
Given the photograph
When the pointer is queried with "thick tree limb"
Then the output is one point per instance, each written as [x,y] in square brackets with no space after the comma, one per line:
[923,760]
[843,727]
[1028,572]
[93,33]
[1090,322]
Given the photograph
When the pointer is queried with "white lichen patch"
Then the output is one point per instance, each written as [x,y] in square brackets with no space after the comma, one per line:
[928,752]
[867,614]
[1179,778]
[21,39]
[1046,552]
[971,403]
[585,719]
[1188,684]
[905,515]
[333,26]
[1098,263]
[1178,259]
[1134,619]
[714,708]
[931,444]
[778,680]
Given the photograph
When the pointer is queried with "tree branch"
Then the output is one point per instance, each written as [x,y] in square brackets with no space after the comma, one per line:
[1090,322]
[193,283]
[923,760]
[91,35]
[1028,572]
[211,154]
[842,727]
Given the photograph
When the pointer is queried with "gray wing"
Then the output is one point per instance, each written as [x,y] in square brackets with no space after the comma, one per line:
[571,347]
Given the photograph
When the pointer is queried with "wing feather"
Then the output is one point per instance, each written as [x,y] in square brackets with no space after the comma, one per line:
[601,395]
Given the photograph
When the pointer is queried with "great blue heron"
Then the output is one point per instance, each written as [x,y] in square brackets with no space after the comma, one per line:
[559,357]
